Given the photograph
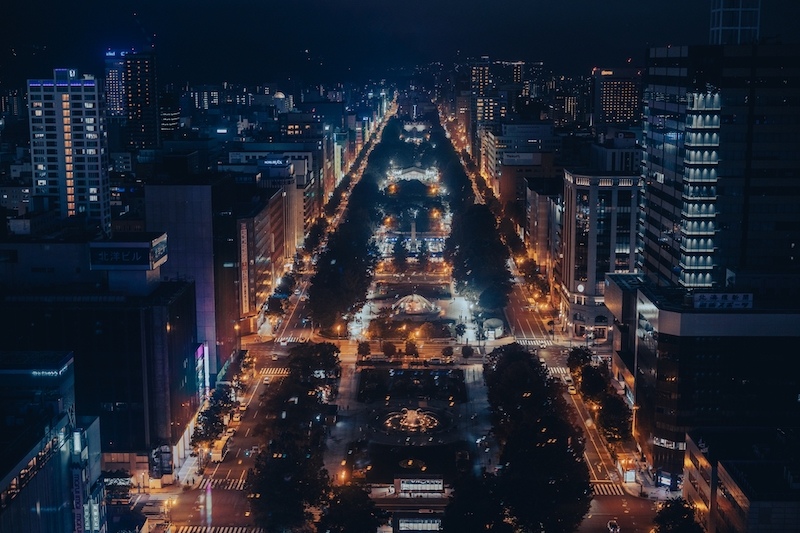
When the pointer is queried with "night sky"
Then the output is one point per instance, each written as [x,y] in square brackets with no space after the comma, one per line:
[252,41]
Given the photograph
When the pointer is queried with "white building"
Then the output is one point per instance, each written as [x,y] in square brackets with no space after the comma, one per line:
[68,147]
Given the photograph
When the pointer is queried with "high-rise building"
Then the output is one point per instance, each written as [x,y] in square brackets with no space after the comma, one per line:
[68,147]
[719,235]
[141,100]
[616,96]
[721,166]
[50,462]
[735,21]
[115,82]
[598,236]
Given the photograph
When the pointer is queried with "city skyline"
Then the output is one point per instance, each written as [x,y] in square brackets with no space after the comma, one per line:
[320,41]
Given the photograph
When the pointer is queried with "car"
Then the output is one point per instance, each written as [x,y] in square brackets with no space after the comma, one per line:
[613,526]
[237,417]
[243,407]
[297,292]
[266,380]
[274,357]
[572,390]
[568,380]
[230,432]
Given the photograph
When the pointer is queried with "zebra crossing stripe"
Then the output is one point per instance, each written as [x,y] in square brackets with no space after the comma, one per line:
[539,343]
[290,339]
[269,371]
[223,484]
[607,489]
[562,370]
[219,529]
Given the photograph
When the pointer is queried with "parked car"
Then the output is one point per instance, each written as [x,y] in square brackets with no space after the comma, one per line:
[572,390]
[230,432]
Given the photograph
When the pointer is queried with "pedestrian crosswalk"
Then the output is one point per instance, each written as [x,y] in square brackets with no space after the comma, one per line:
[607,488]
[274,371]
[558,370]
[222,484]
[218,529]
[283,341]
[539,343]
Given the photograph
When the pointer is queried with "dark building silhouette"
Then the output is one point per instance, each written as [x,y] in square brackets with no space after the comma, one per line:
[698,338]
[49,457]
[138,365]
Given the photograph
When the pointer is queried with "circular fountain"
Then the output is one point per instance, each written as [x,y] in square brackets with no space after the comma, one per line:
[412,421]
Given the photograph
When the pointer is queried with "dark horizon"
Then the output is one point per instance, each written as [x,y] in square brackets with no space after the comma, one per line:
[312,40]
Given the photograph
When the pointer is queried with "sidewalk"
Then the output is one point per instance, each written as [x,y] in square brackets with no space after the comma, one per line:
[645,485]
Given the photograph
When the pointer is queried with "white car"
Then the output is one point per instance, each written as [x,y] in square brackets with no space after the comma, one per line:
[266,380]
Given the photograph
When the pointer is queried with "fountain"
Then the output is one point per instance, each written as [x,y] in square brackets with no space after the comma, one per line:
[411,421]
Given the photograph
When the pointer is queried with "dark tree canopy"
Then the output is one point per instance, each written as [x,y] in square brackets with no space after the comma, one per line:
[676,516]
[350,510]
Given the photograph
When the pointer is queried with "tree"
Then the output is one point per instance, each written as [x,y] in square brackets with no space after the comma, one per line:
[350,510]
[460,329]
[447,351]
[399,255]
[364,349]
[475,506]
[495,296]
[467,351]
[578,357]
[423,257]
[615,417]
[540,448]
[389,349]
[676,516]
[411,349]
[593,382]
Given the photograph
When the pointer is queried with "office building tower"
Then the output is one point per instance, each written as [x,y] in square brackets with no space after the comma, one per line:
[141,101]
[721,167]
[735,21]
[719,234]
[49,457]
[480,84]
[616,96]
[599,234]
[115,82]
[68,147]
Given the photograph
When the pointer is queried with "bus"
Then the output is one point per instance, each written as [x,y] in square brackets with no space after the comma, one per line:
[220,448]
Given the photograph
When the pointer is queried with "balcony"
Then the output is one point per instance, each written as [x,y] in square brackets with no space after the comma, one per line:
[696,213]
[695,267]
[694,249]
[694,197]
